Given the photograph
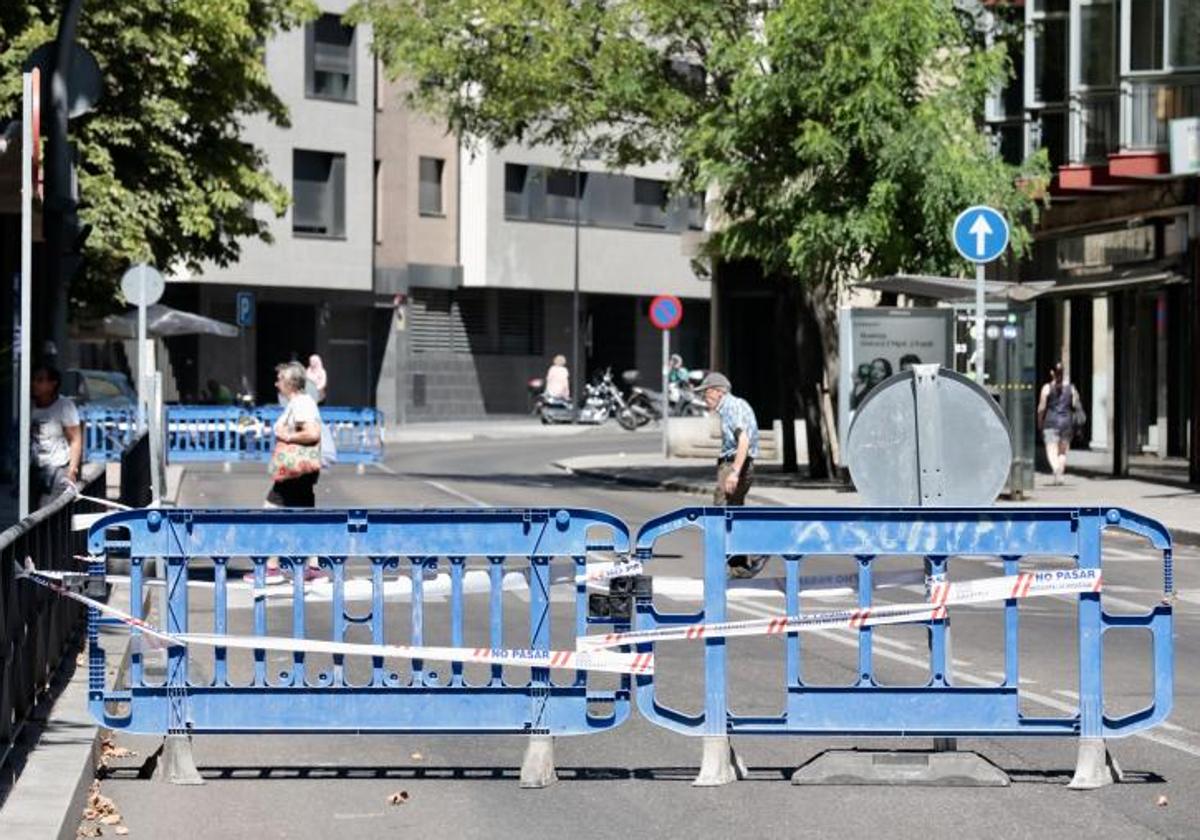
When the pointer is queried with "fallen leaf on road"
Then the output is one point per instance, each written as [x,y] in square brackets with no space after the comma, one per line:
[121,830]
[398,798]
[1161,802]
[88,831]
[109,749]
[110,819]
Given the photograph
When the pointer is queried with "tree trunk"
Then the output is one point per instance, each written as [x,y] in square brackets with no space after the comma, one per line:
[816,327]
[786,352]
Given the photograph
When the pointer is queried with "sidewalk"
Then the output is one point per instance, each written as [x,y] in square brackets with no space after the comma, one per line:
[502,427]
[61,745]
[1176,507]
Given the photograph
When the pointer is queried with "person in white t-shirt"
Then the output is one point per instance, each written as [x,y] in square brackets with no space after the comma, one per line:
[299,423]
[558,379]
[55,438]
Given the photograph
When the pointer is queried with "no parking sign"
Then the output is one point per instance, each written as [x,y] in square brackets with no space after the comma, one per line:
[666,311]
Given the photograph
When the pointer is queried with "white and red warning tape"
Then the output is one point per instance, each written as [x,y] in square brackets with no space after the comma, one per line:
[599,660]
[942,596]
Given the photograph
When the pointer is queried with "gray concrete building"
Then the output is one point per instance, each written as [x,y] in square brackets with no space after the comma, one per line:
[310,290]
[434,280]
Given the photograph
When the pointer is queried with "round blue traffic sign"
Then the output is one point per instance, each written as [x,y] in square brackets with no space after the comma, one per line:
[980,234]
[666,311]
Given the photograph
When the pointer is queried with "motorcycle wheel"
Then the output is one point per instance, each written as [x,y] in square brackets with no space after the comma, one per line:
[691,410]
[643,410]
[627,420]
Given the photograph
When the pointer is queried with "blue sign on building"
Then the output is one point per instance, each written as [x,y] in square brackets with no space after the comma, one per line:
[245,309]
[980,234]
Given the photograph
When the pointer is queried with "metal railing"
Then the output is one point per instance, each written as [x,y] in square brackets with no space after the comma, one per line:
[1093,126]
[38,630]
[1148,106]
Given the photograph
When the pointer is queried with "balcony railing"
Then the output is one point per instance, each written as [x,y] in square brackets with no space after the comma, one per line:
[1093,126]
[1148,106]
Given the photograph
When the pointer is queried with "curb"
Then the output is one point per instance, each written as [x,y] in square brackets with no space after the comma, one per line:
[1179,536]
[692,487]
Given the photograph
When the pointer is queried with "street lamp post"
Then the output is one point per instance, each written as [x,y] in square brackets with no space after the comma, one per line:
[576,384]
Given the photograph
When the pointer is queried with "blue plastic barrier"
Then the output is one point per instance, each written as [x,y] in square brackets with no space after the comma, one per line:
[210,433]
[106,432]
[380,557]
[942,708]
[357,431]
[389,556]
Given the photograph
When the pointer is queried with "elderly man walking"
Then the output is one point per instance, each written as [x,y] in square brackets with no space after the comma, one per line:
[739,448]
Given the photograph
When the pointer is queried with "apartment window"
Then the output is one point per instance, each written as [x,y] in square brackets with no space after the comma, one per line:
[695,211]
[429,196]
[563,186]
[516,197]
[1146,34]
[1050,60]
[1185,33]
[318,193]
[649,203]
[1097,24]
[377,220]
[329,59]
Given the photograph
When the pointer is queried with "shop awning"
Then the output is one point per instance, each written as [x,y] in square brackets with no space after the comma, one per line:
[962,289]
[954,288]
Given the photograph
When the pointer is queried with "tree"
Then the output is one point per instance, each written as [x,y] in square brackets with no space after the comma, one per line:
[841,136]
[164,174]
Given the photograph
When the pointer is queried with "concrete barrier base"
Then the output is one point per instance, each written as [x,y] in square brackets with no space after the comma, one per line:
[719,765]
[173,762]
[1094,767]
[537,769]
[901,767]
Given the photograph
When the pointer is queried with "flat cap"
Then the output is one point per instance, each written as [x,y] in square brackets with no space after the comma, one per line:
[715,380]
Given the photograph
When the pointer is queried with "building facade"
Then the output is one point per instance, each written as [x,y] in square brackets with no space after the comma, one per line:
[434,279]
[310,290]
[1103,86]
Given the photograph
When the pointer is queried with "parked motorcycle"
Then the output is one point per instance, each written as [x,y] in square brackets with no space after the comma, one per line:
[604,399]
[548,408]
[646,403]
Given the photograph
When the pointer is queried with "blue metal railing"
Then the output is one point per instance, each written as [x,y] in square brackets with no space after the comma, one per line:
[198,433]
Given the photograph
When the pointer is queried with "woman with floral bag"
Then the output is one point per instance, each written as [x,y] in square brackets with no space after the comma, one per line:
[295,463]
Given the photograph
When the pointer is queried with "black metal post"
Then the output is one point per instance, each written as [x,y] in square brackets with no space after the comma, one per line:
[60,222]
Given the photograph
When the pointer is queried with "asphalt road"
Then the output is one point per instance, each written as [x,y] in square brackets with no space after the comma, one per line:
[635,781]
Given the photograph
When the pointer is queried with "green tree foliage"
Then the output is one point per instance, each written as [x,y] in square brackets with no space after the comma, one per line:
[841,136]
[164,174]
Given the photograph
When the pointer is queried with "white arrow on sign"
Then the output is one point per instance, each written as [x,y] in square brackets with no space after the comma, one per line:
[981,230]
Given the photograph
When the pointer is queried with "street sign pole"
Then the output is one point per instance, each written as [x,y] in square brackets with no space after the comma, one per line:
[980,235]
[980,324]
[666,311]
[666,400]
[142,367]
[142,286]
[25,396]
